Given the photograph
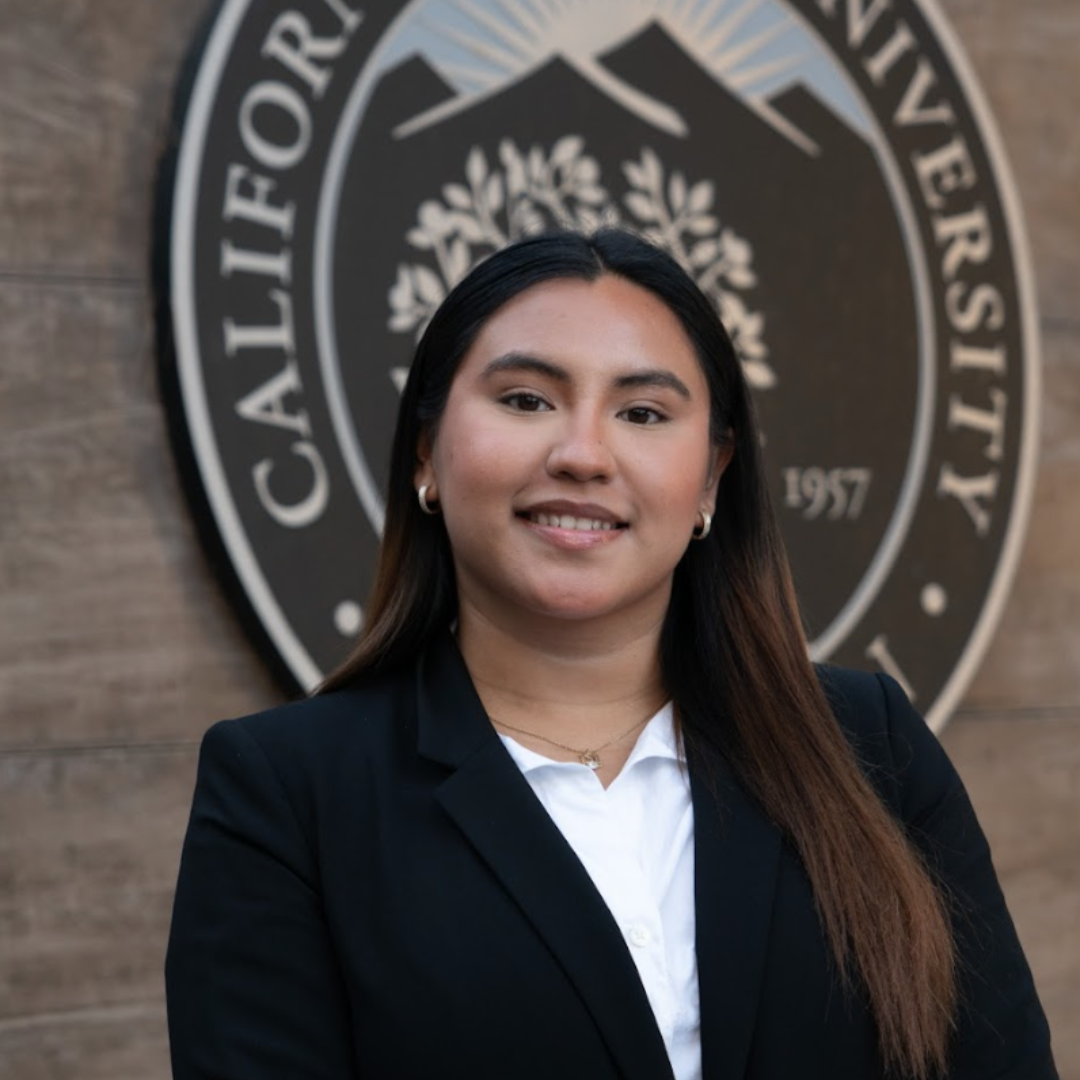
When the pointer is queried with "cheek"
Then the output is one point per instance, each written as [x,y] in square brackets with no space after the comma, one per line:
[685,497]
[478,462]
[677,479]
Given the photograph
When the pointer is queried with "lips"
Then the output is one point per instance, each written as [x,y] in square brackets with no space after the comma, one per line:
[568,521]
[574,517]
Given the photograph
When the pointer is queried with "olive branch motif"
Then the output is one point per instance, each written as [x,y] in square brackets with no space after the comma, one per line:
[534,189]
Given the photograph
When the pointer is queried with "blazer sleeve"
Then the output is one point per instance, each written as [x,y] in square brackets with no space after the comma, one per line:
[253,988]
[1002,1032]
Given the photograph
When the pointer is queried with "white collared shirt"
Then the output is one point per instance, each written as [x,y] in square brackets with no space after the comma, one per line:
[636,840]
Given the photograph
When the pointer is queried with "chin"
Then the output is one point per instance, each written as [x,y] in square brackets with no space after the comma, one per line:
[576,613]
[576,607]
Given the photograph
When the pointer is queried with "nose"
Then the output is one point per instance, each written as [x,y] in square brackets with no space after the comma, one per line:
[580,451]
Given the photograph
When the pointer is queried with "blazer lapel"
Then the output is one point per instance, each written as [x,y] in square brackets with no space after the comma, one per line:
[497,812]
[736,858]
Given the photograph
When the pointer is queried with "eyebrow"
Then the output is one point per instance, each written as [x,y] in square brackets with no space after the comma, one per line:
[515,361]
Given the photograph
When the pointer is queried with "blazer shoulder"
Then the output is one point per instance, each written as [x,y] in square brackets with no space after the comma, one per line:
[868,703]
[892,742]
[313,733]
[859,699]
[888,736]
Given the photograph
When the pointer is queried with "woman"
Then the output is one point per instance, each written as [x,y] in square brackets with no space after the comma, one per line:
[578,804]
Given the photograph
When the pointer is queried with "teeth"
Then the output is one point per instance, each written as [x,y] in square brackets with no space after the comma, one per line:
[566,521]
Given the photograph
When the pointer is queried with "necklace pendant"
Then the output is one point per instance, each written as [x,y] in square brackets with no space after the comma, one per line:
[590,758]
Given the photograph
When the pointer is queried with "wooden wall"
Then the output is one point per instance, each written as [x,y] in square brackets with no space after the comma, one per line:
[117,649]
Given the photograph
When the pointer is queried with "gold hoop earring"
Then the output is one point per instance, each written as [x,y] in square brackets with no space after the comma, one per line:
[421,496]
[706,526]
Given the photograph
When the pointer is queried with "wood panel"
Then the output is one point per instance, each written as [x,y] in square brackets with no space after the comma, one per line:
[86,88]
[1024,56]
[112,629]
[1034,659]
[117,1043]
[1023,775]
[1044,901]
[88,862]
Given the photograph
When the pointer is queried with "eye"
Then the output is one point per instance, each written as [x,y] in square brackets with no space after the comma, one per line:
[522,401]
[642,414]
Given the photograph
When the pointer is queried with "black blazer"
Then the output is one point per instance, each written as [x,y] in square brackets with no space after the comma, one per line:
[369,890]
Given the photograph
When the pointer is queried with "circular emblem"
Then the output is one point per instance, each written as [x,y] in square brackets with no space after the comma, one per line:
[825,170]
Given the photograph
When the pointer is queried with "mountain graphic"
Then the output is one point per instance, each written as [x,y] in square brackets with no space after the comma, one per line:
[833,278]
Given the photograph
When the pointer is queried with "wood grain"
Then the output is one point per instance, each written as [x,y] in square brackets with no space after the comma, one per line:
[127,1042]
[1023,775]
[112,630]
[88,862]
[1034,659]
[1024,57]
[86,89]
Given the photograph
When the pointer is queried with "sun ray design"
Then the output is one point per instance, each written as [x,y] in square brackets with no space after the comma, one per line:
[727,29]
[481,48]
[739,46]
[748,77]
[523,15]
[499,27]
[679,9]
[755,48]
[738,53]
[707,18]
[566,29]
[698,13]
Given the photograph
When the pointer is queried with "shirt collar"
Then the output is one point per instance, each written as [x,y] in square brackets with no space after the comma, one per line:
[657,740]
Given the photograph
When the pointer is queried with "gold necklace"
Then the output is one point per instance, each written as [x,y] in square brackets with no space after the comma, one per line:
[586,757]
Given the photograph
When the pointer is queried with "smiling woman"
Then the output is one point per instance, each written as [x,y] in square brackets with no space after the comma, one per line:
[573,461]
[579,804]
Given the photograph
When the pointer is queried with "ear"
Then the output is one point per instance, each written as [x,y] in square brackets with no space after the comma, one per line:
[719,460]
[424,473]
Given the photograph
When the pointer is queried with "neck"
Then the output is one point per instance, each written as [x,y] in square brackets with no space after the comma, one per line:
[579,683]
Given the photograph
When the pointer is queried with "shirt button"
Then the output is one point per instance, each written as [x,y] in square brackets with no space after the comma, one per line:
[639,936]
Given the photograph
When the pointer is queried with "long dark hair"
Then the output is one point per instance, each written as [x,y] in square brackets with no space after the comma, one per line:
[733,652]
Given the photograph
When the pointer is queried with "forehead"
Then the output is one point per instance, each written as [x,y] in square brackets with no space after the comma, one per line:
[606,323]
